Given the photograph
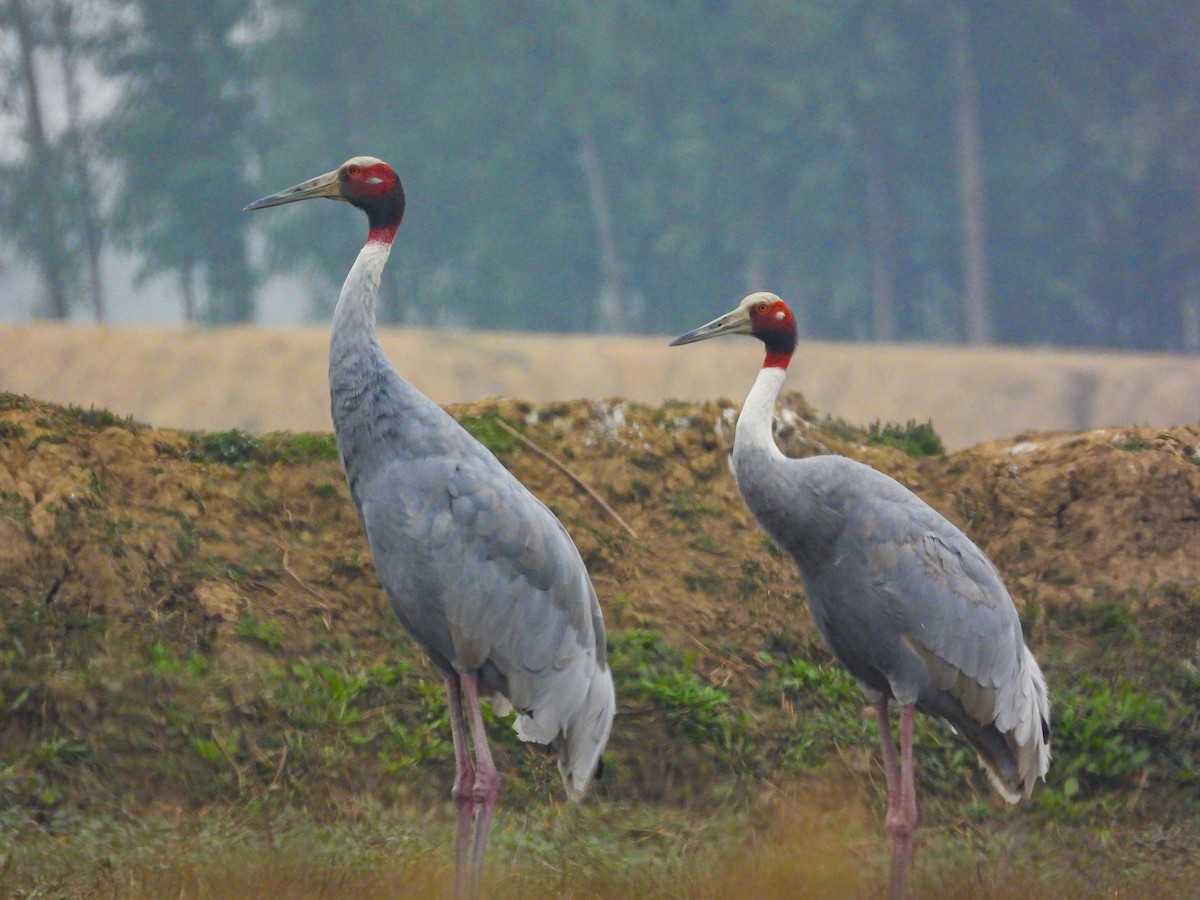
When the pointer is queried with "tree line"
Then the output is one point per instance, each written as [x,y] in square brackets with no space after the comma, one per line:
[907,170]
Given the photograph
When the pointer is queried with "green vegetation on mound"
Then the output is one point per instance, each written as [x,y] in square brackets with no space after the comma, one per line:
[196,654]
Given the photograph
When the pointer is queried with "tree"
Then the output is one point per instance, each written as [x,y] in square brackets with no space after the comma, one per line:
[180,138]
[34,206]
[78,150]
[977,308]
[574,167]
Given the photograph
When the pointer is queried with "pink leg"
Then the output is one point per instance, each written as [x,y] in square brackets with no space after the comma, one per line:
[902,813]
[887,747]
[463,790]
[487,779]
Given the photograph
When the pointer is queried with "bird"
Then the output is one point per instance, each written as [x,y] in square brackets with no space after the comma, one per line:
[908,604]
[478,571]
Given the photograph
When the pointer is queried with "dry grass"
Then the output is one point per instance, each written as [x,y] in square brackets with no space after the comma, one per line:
[262,379]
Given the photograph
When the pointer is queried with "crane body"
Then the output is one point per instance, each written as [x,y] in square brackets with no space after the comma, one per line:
[478,571]
[907,603]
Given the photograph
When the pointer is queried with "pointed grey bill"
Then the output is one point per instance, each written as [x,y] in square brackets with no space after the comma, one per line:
[326,185]
[734,322]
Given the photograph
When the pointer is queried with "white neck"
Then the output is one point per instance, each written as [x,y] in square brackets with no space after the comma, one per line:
[355,312]
[753,432]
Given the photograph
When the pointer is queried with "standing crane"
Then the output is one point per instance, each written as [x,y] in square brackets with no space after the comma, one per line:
[908,604]
[479,572]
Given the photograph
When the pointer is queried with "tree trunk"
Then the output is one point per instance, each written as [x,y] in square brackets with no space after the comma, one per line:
[881,236]
[977,313]
[88,203]
[612,314]
[49,248]
[187,287]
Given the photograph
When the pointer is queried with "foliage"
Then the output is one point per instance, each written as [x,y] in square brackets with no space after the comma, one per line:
[914,439]
[231,447]
[652,672]
[181,138]
[1107,734]
[578,168]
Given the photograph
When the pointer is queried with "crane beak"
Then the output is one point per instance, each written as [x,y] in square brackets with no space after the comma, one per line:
[326,185]
[735,322]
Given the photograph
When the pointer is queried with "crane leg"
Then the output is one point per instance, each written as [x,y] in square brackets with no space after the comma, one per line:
[487,780]
[462,791]
[887,748]
[902,799]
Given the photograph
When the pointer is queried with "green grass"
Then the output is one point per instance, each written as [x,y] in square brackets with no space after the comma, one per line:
[488,431]
[269,634]
[811,842]
[240,448]
[299,446]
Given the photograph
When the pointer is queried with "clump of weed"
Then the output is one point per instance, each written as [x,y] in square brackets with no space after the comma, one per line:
[232,448]
[10,431]
[915,439]
[1133,444]
[99,419]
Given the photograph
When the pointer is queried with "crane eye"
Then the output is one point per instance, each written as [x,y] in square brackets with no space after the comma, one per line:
[353,170]
[760,307]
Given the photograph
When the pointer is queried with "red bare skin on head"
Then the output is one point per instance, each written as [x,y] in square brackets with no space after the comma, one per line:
[374,188]
[369,182]
[774,326]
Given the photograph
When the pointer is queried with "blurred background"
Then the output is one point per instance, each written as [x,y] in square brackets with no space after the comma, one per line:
[917,171]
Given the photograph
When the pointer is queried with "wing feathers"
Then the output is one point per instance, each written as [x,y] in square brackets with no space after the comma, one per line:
[486,578]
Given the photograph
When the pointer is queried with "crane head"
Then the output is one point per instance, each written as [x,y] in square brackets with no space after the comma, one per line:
[364,181]
[762,315]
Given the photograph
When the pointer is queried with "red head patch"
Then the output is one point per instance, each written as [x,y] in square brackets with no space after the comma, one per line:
[775,326]
[374,187]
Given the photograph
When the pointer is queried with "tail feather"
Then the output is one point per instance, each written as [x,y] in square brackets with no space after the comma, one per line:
[578,738]
[1027,741]
[586,732]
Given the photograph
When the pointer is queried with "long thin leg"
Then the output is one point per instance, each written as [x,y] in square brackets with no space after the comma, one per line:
[487,779]
[462,791]
[887,748]
[902,815]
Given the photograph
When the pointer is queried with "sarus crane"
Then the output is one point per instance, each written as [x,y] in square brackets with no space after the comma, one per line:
[479,572]
[908,604]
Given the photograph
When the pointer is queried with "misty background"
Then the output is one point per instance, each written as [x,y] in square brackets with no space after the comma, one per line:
[1024,174]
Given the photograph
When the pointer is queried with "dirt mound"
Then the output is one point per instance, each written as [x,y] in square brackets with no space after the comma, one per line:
[195,616]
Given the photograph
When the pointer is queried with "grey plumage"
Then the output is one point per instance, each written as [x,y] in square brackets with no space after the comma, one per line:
[478,571]
[908,604]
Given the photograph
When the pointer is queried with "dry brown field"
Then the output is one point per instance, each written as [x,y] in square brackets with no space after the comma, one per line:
[274,379]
